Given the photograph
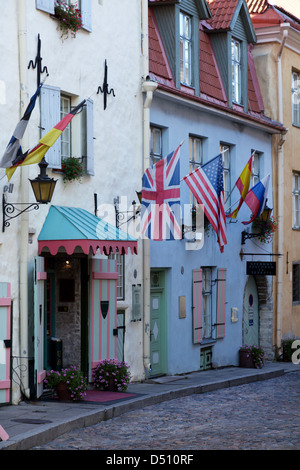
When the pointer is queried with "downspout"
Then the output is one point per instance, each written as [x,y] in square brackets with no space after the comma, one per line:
[148,86]
[278,326]
[24,187]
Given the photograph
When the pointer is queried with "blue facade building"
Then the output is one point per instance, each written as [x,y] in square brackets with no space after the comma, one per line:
[204,305]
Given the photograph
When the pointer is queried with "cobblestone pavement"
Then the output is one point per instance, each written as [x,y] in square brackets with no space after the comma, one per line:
[258,416]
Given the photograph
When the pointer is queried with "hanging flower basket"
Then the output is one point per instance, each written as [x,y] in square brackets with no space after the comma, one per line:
[69,18]
[72,168]
[265,229]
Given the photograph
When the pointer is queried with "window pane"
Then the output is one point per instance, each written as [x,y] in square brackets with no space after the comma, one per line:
[185,49]
[296,280]
[295,98]
[236,71]
[156,145]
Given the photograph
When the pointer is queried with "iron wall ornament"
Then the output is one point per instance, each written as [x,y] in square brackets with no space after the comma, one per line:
[11,211]
[104,304]
[104,89]
[37,64]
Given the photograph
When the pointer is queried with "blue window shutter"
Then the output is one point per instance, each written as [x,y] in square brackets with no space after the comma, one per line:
[197,306]
[45,5]
[221,303]
[90,137]
[50,116]
[86,15]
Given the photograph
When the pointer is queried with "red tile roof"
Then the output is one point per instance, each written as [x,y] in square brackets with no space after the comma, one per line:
[210,79]
[221,13]
[257,6]
[159,65]
[212,91]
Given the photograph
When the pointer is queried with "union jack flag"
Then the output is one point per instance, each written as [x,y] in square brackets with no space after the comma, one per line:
[161,199]
[206,183]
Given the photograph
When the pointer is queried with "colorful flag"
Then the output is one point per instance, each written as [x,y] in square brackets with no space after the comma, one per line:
[38,152]
[206,184]
[243,183]
[161,199]
[256,198]
[13,150]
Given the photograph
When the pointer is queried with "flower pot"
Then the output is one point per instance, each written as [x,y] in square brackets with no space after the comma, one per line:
[111,387]
[245,359]
[62,392]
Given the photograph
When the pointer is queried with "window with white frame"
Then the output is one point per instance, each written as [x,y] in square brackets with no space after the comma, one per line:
[54,106]
[65,108]
[296,200]
[195,157]
[296,282]
[85,7]
[155,144]
[185,31]
[225,150]
[295,99]
[236,65]
[255,171]
[121,274]
[207,302]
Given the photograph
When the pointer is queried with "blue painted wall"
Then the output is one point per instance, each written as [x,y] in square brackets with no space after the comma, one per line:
[180,120]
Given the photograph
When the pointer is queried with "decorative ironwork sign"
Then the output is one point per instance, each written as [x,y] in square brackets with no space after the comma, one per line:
[265,268]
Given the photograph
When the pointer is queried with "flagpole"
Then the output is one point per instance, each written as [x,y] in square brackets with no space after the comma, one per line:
[236,182]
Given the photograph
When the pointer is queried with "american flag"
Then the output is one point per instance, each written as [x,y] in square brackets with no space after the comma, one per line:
[206,184]
[161,199]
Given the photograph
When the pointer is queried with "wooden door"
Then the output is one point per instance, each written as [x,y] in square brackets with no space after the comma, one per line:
[40,277]
[103,311]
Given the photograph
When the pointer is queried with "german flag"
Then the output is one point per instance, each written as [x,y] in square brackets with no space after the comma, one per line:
[38,152]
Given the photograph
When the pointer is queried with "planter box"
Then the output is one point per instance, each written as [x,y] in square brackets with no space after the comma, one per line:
[245,361]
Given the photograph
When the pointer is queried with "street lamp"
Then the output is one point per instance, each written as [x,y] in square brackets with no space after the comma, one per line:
[43,188]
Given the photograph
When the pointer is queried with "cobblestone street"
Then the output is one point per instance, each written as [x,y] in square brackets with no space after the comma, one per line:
[258,416]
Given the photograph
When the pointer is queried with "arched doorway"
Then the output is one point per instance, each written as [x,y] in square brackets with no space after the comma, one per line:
[250,313]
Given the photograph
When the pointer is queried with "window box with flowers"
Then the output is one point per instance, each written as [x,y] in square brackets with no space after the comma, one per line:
[69,18]
[72,168]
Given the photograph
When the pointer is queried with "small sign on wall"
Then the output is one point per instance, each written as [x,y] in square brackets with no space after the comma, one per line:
[182,306]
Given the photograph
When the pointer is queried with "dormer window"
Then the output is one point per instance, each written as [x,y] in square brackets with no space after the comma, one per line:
[185,29]
[236,67]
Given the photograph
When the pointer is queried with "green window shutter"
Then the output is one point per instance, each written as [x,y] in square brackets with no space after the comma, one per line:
[45,5]
[86,14]
[197,306]
[50,116]
[221,303]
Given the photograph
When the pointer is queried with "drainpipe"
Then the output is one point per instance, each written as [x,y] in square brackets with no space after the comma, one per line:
[278,326]
[148,86]
[24,189]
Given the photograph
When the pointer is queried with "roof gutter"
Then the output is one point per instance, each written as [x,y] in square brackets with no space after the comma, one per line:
[278,318]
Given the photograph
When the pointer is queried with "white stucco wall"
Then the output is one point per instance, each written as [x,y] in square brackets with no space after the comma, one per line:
[77,67]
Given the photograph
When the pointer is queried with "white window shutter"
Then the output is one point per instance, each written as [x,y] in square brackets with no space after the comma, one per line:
[45,5]
[86,15]
[90,137]
[50,116]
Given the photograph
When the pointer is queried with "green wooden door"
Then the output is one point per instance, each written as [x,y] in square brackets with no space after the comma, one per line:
[158,335]
[250,314]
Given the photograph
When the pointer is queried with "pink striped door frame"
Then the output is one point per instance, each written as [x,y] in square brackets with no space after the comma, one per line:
[103,343]
[39,309]
[5,334]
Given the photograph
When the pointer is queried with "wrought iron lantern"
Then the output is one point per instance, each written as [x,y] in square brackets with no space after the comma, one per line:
[43,188]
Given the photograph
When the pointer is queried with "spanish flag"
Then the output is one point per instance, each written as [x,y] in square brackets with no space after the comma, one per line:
[243,183]
[38,152]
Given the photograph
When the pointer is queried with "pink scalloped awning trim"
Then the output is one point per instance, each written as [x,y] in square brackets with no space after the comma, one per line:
[105,246]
